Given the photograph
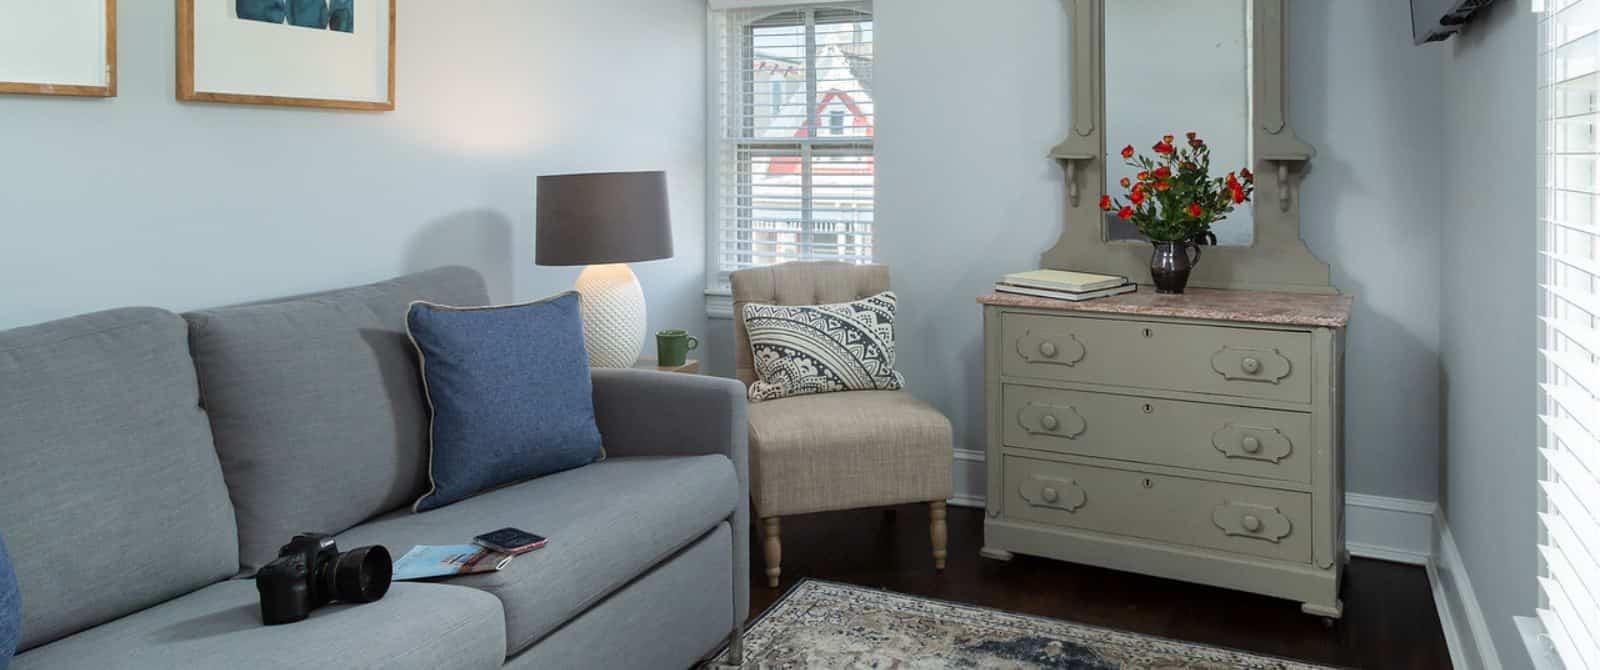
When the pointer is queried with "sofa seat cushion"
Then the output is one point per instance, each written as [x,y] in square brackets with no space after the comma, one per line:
[421,626]
[835,451]
[608,523]
[317,405]
[111,498]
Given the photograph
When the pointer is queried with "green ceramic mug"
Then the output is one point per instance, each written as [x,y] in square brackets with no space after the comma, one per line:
[673,347]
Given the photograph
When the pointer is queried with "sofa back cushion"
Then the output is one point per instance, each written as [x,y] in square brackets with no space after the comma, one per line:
[111,498]
[317,405]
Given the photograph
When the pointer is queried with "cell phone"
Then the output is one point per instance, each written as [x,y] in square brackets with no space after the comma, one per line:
[510,541]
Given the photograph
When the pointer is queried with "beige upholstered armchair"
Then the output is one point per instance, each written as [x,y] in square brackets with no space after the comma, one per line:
[836,451]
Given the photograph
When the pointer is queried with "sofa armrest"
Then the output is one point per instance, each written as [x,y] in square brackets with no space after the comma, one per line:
[651,413]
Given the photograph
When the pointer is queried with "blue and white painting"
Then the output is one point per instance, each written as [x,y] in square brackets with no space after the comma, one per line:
[338,15]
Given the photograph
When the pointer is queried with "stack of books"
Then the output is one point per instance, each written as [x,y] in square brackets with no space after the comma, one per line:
[1064,285]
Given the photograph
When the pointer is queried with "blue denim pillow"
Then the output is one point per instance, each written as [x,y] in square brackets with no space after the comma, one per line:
[510,392]
[10,608]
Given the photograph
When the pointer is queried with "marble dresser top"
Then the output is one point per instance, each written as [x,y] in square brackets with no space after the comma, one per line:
[1290,309]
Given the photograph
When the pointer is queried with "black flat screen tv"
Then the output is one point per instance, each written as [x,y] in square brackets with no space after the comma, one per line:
[1435,20]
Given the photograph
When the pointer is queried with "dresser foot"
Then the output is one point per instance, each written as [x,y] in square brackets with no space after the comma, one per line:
[996,554]
[1332,612]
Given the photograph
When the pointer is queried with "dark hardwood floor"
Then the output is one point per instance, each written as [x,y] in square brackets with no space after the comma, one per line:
[1389,619]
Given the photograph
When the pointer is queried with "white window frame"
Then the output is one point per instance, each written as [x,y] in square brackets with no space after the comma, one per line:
[719,300]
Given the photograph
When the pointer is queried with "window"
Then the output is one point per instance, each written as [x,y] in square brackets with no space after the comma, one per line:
[792,176]
[1569,331]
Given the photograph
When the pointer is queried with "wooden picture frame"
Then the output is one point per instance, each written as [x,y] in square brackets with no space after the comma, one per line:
[107,89]
[188,90]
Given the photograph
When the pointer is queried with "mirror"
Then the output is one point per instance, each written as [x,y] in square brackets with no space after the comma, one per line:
[1174,66]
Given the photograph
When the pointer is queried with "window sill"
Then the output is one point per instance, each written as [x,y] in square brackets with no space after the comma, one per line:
[719,304]
[1540,651]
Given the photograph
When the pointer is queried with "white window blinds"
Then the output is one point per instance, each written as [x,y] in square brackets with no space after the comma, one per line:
[793,158]
[1569,305]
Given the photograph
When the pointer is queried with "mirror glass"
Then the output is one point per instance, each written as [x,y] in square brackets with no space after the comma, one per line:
[1174,66]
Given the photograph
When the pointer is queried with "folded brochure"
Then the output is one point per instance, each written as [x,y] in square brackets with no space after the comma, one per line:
[424,561]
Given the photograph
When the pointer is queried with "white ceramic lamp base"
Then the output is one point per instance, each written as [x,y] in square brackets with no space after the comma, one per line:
[613,315]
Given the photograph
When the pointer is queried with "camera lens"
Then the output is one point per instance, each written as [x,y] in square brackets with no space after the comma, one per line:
[361,575]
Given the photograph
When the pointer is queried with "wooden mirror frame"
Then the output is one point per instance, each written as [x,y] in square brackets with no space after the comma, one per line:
[1278,260]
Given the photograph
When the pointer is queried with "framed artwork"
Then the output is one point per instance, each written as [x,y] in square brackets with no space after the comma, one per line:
[58,47]
[305,53]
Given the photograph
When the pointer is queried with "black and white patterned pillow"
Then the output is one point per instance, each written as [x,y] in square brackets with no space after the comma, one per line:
[804,349]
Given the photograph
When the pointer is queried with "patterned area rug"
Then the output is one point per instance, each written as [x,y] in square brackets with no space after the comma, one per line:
[828,625]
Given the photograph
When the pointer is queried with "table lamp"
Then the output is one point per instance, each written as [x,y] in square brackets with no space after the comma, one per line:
[605,220]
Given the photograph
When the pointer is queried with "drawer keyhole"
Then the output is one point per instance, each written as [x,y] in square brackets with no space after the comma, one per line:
[1149,409]
[1148,483]
[1149,333]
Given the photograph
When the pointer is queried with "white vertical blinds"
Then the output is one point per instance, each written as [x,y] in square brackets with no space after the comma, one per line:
[794,157]
[1569,316]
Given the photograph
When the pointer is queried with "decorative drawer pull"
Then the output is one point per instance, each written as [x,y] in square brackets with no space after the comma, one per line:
[1250,444]
[1050,348]
[1051,420]
[1052,493]
[1256,443]
[1257,522]
[1251,364]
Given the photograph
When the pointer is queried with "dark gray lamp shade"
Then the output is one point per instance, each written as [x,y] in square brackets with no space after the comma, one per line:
[603,217]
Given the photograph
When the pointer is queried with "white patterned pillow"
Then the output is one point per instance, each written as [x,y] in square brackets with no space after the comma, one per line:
[804,349]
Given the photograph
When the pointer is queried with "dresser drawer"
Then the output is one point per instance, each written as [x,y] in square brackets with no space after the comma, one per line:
[1241,519]
[1242,362]
[1219,438]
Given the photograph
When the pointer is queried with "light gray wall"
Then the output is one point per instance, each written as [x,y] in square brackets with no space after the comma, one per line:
[1486,149]
[140,199]
[965,190]
[966,194]
[1368,100]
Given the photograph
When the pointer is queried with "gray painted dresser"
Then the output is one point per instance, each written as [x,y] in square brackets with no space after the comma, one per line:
[1195,437]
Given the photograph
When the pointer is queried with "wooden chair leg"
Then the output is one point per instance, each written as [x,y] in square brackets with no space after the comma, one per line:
[774,550]
[938,532]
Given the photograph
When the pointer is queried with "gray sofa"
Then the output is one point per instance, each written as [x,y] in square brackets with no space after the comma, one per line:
[149,462]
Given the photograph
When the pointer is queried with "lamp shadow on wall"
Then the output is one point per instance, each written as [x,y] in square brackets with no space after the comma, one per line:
[481,239]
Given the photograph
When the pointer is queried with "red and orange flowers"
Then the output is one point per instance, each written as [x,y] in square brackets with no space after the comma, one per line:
[1172,196]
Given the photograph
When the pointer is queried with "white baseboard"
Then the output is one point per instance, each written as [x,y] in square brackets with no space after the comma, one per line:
[1466,632]
[969,473]
[1390,529]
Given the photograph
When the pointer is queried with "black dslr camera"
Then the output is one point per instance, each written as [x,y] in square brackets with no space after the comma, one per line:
[310,572]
